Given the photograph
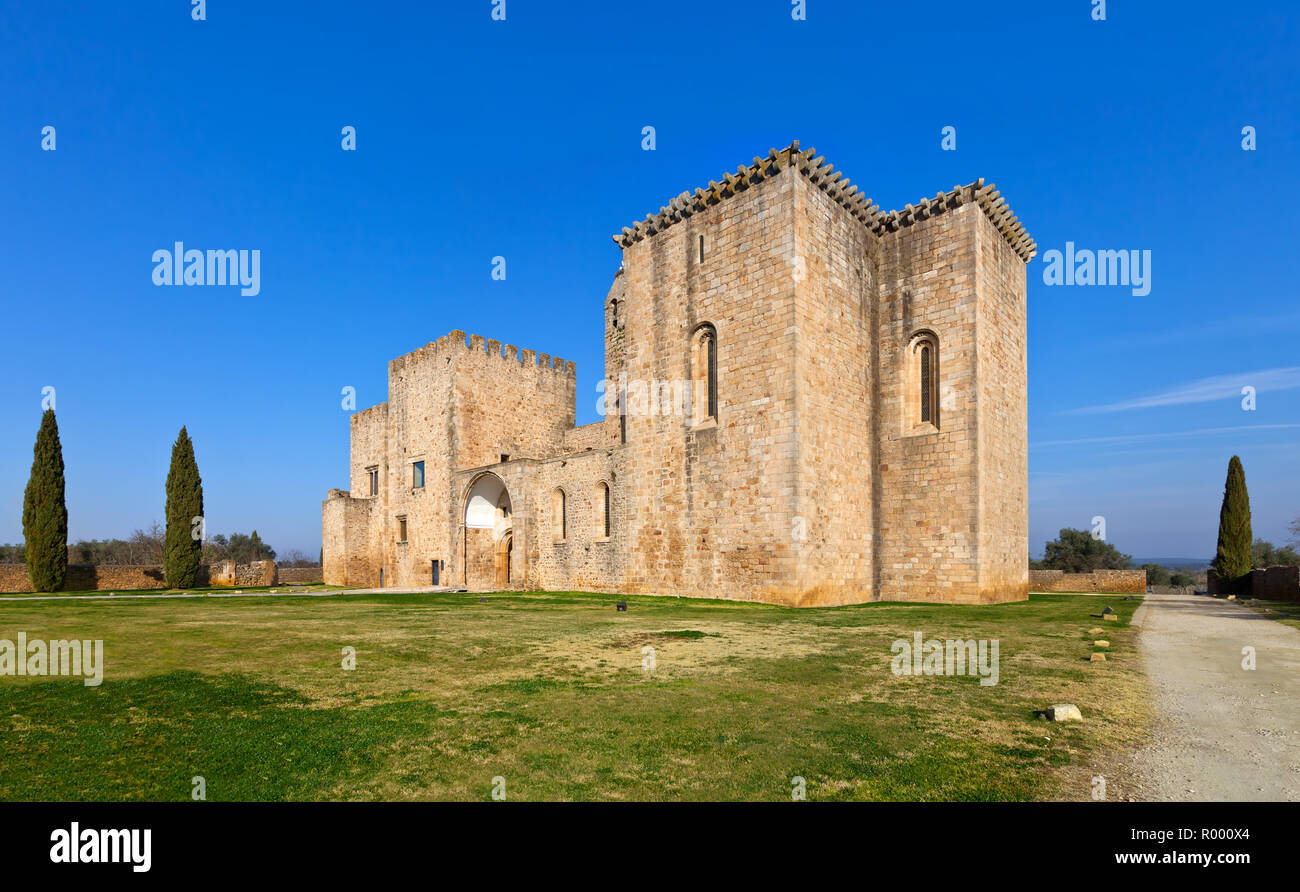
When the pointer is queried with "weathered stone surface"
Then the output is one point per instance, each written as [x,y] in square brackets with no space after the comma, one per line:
[1097,658]
[1109,581]
[1065,712]
[1101,643]
[106,577]
[816,483]
[257,573]
[1111,617]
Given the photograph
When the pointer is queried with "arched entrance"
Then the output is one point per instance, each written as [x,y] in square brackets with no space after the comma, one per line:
[488,545]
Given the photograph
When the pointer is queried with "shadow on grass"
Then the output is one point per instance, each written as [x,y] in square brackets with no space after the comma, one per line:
[148,738]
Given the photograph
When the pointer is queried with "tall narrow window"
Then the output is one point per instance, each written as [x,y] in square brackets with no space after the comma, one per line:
[417,475]
[561,521]
[704,373]
[373,474]
[401,529]
[922,394]
[701,249]
[602,509]
[711,344]
[613,313]
[927,413]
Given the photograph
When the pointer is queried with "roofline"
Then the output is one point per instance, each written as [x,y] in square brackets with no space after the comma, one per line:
[837,186]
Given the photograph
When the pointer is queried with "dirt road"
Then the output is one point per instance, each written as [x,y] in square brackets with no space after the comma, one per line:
[1222,732]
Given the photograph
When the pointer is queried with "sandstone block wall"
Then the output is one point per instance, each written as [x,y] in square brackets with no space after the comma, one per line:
[103,577]
[92,577]
[229,573]
[1001,390]
[299,575]
[834,264]
[928,518]
[346,541]
[1110,581]
[713,505]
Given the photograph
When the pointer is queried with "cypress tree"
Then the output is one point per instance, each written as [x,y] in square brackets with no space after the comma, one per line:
[45,514]
[1232,559]
[181,549]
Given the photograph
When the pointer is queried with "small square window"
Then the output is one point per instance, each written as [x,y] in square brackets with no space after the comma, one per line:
[417,475]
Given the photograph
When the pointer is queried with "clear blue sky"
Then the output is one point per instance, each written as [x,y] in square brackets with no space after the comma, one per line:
[523,139]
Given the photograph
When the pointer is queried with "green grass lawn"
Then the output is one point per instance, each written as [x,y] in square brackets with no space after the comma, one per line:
[548,692]
[1285,612]
[284,588]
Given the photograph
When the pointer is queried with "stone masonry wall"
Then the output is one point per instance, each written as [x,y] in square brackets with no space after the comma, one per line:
[834,265]
[104,577]
[713,504]
[254,574]
[346,543]
[1002,396]
[299,575]
[1276,584]
[1114,581]
[452,404]
[928,504]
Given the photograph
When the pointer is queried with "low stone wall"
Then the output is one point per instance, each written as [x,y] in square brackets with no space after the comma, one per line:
[299,576]
[109,578]
[1108,581]
[92,577]
[1276,584]
[228,573]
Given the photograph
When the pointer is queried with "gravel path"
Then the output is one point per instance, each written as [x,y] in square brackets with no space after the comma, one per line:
[1221,732]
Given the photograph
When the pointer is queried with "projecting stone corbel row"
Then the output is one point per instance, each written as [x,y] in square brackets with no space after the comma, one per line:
[998,211]
[838,187]
[990,202]
[688,203]
[821,174]
[834,183]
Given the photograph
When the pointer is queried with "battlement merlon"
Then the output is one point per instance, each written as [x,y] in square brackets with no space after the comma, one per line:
[455,344]
[836,185]
[366,415]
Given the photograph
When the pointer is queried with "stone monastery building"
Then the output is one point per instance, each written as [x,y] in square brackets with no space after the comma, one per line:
[809,401]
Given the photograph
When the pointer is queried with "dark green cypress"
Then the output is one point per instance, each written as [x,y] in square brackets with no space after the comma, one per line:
[181,549]
[45,513]
[1232,560]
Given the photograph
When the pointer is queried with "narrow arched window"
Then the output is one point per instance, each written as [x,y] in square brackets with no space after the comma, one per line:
[602,510]
[922,400]
[704,373]
[712,344]
[561,521]
[614,314]
[927,413]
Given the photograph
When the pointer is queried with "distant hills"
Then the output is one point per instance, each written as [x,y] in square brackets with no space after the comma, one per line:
[1173,563]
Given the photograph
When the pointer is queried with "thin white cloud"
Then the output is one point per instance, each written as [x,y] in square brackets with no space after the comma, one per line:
[1205,390]
[1244,323]
[1136,438]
